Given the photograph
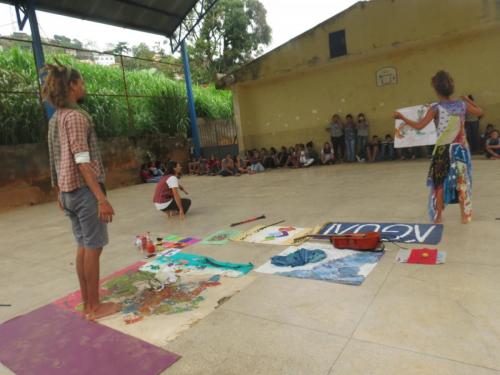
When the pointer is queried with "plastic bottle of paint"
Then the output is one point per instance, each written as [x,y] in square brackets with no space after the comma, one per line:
[151,248]
[138,242]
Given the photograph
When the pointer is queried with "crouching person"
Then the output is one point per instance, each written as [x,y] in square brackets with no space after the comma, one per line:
[167,197]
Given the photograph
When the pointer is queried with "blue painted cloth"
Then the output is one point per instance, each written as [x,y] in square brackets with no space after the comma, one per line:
[344,270]
[200,261]
[298,258]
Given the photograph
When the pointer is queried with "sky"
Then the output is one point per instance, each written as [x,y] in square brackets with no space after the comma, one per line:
[287,18]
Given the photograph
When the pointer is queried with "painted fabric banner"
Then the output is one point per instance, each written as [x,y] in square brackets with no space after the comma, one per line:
[406,136]
[158,315]
[221,237]
[182,263]
[415,256]
[340,266]
[275,235]
[393,232]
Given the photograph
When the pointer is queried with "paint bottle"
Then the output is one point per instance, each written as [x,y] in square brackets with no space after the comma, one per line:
[138,242]
[144,242]
[150,247]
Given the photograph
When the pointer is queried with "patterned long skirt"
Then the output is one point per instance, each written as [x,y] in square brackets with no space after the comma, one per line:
[450,170]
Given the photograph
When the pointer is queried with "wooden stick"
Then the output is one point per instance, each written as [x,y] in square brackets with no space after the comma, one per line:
[270,225]
[249,220]
[5,305]
[317,236]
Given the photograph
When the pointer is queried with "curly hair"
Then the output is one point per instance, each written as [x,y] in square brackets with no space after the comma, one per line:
[443,83]
[56,84]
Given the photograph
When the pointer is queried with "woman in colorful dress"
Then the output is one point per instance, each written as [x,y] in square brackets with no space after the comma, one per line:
[450,173]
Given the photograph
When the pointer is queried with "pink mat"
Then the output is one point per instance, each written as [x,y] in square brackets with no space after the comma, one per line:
[51,340]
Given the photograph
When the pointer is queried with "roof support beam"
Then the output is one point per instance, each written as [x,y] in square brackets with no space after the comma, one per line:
[201,8]
[151,9]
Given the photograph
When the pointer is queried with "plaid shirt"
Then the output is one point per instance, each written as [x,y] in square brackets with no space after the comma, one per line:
[70,132]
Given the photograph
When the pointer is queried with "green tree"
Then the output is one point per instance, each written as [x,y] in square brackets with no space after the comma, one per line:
[143,51]
[121,48]
[233,33]
[62,40]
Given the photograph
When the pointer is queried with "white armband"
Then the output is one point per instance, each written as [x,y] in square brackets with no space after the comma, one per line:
[82,157]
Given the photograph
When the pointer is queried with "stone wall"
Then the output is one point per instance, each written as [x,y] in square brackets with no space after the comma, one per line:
[25,175]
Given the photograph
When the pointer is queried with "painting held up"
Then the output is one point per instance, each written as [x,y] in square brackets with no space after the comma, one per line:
[406,136]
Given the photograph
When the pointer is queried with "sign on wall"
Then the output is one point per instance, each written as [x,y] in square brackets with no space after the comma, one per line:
[387,76]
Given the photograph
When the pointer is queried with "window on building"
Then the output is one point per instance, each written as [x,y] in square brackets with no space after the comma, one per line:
[338,45]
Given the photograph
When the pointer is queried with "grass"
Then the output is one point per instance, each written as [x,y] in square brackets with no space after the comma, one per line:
[163,110]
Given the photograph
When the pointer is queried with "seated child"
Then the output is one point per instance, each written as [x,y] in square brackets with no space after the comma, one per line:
[372,148]
[213,166]
[486,135]
[293,158]
[304,159]
[240,164]
[282,157]
[327,156]
[272,159]
[155,172]
[194,166]
[387,148]
[266,158]
[146,175]
[166,197]
[493,146]
[311,152]
[255,164]
[228,168]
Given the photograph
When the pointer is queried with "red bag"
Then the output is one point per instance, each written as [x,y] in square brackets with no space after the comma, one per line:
[368,241]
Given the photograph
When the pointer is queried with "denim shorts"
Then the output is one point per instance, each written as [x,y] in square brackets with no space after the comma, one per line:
[81,207]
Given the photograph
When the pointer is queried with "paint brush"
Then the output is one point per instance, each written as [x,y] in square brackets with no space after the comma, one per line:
[249,220]
[270,225]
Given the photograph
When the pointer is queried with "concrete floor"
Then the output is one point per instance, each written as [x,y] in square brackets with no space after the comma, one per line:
[405,319]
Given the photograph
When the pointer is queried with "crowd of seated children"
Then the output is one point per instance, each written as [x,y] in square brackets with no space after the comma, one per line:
[151,172]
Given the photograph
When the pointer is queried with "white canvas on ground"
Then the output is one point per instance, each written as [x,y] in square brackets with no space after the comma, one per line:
[275,235]
[360,264]
[406,136]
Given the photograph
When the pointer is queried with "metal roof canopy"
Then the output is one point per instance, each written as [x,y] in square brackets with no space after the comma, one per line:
[162,17]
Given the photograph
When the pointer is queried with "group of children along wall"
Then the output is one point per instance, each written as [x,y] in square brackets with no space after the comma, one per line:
[349,143]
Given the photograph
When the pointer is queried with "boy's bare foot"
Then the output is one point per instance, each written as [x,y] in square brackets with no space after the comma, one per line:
[466,219]
[103,310]
[86,308]
[438,220]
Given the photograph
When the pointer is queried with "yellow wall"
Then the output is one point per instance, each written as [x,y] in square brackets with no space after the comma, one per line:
[288,95]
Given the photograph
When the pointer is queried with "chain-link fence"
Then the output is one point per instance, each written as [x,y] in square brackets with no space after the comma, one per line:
[126,96]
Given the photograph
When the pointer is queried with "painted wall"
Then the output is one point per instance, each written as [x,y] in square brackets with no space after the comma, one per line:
[289,95]
[25,173]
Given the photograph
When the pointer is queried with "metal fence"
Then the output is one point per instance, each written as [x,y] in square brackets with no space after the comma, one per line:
[218,137]
[128,100]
